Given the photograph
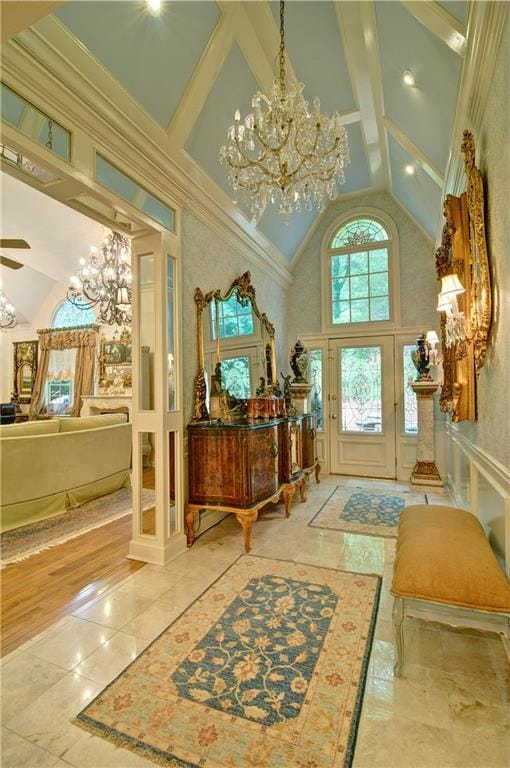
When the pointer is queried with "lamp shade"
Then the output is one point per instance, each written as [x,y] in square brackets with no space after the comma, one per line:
[432,337]
[450,284]
[444,304]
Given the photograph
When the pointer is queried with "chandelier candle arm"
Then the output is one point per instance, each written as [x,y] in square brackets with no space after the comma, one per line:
[285,153]
[105,281]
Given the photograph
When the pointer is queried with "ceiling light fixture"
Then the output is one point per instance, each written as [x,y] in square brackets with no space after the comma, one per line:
[283,152]
[410,169]
[154,5]
[409,78]
[105,281]
[8,317]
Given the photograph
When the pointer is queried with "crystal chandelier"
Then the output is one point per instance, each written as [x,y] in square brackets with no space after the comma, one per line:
[105,281]
[8,318]
[283,152]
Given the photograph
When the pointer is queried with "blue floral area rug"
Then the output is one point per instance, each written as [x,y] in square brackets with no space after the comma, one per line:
[266,669]
[365,510]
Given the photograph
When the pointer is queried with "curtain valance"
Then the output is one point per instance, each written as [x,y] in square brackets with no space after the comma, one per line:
[67,338]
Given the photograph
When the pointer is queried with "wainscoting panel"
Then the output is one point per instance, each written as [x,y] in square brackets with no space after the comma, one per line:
[480,484]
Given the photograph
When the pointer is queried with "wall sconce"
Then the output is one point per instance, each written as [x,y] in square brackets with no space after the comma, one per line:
[455,328]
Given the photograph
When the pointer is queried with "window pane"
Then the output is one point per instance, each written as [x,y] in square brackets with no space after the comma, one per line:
[72,314]
[359,287]
[360,376]
[341,312]
[359,263]
[316,382]
[379,260]
[340,288]
[235,376]
[359,311]
[359,231]
[379,284]
[379,308]
[410,405]
[234,318]
[339,266]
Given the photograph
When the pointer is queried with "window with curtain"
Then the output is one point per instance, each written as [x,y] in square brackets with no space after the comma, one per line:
[359,272]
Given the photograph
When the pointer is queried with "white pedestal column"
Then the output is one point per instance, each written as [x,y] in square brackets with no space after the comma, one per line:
[425,471]
[300,394]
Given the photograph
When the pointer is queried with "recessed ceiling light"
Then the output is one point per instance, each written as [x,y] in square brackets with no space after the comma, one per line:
[410,169]
[154,5]
[409,78]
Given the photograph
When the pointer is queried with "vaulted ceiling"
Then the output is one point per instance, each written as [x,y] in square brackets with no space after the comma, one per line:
[193,63]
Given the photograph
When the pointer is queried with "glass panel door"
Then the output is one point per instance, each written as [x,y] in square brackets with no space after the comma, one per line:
[362,407]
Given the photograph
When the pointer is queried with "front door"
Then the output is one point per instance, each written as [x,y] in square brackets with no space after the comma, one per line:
[362,410]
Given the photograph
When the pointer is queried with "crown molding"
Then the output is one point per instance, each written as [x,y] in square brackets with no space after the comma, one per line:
[485,28]
[87,100]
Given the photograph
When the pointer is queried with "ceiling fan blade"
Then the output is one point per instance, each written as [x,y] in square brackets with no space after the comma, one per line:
[5,262]
[13,242]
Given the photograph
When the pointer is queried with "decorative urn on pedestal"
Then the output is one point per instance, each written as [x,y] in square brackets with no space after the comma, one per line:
[421,358]
[300,388]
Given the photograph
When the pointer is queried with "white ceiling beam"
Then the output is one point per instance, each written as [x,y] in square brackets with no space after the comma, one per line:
[439,22]
[416,153]
[267,31]
[250,45]
[201,83]
[359,35]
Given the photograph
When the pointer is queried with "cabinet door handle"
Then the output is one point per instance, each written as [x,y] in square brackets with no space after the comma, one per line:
[273,451]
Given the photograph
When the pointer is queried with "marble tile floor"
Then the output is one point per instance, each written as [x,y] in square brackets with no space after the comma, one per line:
[450,710]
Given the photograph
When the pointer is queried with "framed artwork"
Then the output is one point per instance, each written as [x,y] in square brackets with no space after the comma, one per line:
[25,369]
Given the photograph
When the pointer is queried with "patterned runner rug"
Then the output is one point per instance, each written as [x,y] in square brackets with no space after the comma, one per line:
[365,510]
[266,669]
[28,540]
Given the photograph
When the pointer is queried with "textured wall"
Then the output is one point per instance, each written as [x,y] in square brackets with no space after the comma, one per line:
[492,431]
[418,289]
[208,261]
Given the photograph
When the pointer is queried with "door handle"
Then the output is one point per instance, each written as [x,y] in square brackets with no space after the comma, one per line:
[333,397]
[333,415]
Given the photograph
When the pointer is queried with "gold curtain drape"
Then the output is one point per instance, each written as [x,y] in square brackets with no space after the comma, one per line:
[85,342]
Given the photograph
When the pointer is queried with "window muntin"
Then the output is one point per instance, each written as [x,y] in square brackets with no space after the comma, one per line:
[234,319]
[69,316]
[359,273]
[359,232]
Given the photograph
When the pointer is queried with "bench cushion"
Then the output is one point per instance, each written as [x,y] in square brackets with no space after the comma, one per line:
[443,555]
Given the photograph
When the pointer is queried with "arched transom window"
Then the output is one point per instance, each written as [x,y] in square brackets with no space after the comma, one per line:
[69,315]
[359,272]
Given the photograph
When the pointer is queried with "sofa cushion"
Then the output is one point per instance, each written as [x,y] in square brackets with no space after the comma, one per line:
[26,428]
[443,555]
[74,424]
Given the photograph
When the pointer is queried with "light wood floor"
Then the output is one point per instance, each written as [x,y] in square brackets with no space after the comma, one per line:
[48,586]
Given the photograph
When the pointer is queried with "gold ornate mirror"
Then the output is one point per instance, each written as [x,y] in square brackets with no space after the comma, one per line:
[228,320]
[465,325]
[25,369]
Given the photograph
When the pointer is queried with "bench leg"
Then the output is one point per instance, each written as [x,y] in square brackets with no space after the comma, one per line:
[398,625]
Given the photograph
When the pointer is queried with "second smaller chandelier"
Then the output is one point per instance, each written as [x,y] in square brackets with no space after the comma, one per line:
[105,281]
[285,152]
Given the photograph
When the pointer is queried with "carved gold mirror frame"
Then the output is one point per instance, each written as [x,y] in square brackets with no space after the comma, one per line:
[25,369]
[479,315]
[245,291]
[463,251]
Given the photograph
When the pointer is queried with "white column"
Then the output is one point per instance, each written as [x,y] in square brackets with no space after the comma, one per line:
[157,535]
[425,471]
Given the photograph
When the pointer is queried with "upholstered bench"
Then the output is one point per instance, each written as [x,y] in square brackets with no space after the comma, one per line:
[446,571]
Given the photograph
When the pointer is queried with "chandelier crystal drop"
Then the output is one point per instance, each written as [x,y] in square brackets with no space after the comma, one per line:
[105,281]
[283,152]
[8,317]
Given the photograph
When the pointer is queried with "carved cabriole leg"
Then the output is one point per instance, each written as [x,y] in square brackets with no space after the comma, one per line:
[246,521]
[288,495]
[190,524]
[302,489]
[398,625]
[317,471]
